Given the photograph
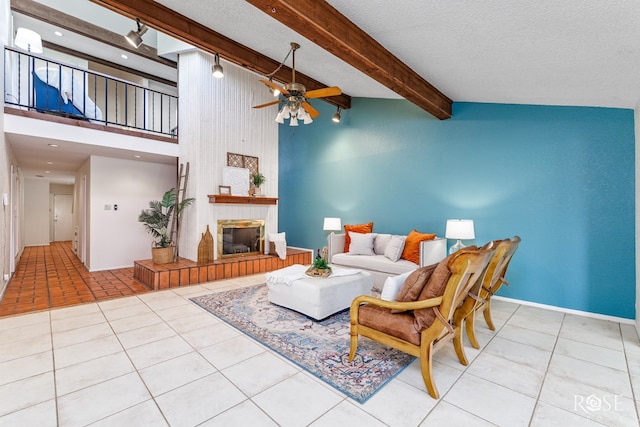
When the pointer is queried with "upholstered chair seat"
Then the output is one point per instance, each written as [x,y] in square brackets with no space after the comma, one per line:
[421,319]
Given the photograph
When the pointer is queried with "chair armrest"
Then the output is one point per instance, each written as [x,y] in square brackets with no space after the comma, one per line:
[432,251]
[395,305]
[335,244]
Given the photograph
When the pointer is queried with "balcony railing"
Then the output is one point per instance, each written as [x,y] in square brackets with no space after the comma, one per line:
[34,82]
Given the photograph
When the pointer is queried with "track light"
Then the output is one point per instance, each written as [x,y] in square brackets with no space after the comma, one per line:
[275,92]
[218,72]
[135,37]
[336,116]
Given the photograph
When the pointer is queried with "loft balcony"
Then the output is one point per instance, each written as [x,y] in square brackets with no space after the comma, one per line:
[40,87]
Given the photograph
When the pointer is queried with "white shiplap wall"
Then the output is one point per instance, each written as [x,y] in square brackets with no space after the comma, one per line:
[215,118]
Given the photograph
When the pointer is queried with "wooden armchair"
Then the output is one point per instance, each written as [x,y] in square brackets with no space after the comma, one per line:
[479,298]
[420,327]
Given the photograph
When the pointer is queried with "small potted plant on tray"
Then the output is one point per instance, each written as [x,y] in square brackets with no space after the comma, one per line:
[319,268]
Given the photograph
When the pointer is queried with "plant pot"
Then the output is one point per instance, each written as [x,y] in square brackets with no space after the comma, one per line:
[162,255]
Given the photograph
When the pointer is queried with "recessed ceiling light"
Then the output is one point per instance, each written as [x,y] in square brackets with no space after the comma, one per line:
[123,56]
[137,156]
[47,171]
[49,163]
[57,33]
[53,145]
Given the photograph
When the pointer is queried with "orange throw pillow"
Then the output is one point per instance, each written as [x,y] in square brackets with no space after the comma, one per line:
[411,251]
[357,228]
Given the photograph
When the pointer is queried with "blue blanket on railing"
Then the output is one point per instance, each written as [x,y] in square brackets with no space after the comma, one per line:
[58,90]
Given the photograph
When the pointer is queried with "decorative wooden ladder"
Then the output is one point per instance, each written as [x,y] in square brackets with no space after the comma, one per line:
[183,175]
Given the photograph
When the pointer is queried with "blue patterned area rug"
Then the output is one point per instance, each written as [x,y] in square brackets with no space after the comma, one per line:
[320,347]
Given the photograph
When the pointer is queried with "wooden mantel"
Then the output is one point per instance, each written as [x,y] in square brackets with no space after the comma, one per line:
[243,200]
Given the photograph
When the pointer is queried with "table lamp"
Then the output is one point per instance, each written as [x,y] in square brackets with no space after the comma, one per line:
[332,224]
[460,229]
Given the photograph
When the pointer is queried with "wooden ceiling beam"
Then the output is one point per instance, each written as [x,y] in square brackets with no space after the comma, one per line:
[110,64]
[321,23]
[54,17]
[186,29]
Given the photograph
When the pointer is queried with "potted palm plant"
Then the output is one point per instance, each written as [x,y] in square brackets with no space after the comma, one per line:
[257,179]
[157,220]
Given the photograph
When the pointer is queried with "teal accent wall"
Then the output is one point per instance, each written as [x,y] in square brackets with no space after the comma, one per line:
[562,178]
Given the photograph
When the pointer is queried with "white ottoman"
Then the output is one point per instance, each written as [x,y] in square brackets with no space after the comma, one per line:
[319,297]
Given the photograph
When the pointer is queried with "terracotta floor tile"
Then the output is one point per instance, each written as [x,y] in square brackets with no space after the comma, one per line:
[53,276]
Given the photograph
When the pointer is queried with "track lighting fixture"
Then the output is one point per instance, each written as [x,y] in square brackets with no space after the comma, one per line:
[336,116]
[217,70]
[135,37]
[274,89]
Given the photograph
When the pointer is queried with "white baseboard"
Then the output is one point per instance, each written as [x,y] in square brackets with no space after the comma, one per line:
[568,310]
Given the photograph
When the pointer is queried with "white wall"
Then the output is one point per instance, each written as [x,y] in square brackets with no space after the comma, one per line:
[116,237]
[81,215]
[36,212]
[216,117]
[5,156]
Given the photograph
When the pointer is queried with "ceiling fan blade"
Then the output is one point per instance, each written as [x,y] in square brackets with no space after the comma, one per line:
[267,104]
[274,86]
[321,93]
[309,109]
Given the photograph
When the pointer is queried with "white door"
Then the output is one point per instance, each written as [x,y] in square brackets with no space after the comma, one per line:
[62,217]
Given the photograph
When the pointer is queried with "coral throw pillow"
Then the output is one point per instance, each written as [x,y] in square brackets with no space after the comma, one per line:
[357,228]
[411,251]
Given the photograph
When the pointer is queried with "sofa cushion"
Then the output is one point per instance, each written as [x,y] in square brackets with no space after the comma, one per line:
[357,228]
[392,286]
[380,243]
[378,263]
[411,250]
[361,243]
[394,248]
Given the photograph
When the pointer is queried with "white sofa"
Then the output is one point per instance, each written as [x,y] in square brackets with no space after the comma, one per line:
[381,267]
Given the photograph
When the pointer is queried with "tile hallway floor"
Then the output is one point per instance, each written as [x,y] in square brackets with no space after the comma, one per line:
[52,276]
[158,359]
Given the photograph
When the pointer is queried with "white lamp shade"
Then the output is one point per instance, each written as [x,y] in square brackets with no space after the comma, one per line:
[332,224]
[460,229]
[28,40]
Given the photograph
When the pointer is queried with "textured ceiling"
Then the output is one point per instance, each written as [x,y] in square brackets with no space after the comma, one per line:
[549,52]
[568,52]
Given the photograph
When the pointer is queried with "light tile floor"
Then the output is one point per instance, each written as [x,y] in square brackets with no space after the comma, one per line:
[157,359]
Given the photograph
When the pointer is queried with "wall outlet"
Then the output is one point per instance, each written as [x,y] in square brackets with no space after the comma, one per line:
[6,277]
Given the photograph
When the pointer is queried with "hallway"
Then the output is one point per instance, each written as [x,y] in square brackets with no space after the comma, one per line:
[52,276]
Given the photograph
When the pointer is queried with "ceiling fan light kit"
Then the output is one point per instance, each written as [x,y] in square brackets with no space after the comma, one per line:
[296,107]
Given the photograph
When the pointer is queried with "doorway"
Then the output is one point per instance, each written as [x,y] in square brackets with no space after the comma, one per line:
[62,217]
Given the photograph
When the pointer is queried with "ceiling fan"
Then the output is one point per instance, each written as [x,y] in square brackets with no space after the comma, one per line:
[295,95]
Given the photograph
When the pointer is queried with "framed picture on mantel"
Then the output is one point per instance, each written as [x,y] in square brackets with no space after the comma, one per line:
[237,179]
[224,190]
